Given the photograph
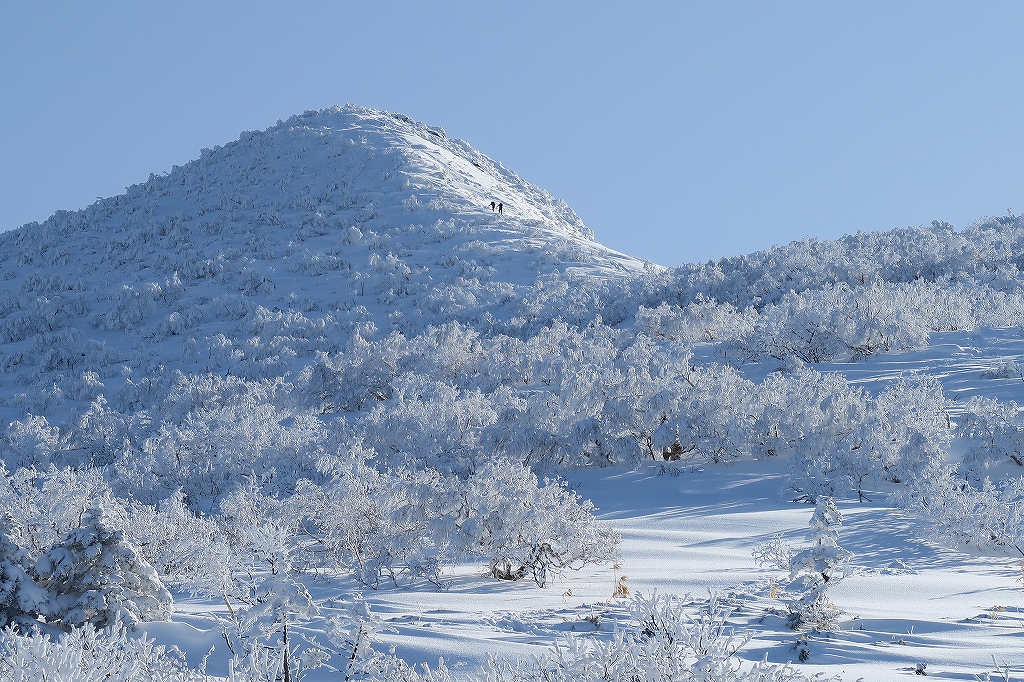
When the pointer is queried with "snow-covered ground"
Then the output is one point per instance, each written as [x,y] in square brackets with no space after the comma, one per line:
[691,532]
[301,247]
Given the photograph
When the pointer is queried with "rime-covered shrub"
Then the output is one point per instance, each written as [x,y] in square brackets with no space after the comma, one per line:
[529,529]
[835,322]
[213,447]
[184,548]
[664,643]
[953,511]
[44,506]
[413,524]
[357,378]
[913,430]
[87,654]
[100,435]
[429,423]
[703,320]
[21,600]
[844,440]
[63,561]
[995,432]
[131,307]
[30,442]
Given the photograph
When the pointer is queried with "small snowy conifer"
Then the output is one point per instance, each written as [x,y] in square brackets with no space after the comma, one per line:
[813,570]
[20,599]
[95,575]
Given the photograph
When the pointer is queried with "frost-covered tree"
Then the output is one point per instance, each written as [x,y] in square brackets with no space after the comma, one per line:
[31,442]
[21,600]
[989,515]
[87,654]
[529,529]
[995,432]
[842,439]
[813,569]
[187,550]
[94,577]
[413,524]
[45,505]
[279,602]
[259,582]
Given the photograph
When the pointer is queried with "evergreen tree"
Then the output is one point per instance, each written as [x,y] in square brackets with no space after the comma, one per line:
[95,575]
[813,570]
[20,599]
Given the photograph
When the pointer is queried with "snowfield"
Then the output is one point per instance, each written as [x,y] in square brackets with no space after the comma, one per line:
[691,532]
[308,408]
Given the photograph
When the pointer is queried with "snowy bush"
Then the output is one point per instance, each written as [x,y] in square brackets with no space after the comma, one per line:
[530,529]
[65,563]
[774,553]
[429,423]
[414,524]
[836,322]
[21,600]
[702,320]
[259,636]
[207,452]
[663,644]
[44,506]
[131,307]
[953,511]
[31,441]
[995,431]
[86,654]
[912,430]
[185,549]
[844,440]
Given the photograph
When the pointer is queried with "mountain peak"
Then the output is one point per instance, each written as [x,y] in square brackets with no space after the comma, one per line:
[384,166]
[283,244]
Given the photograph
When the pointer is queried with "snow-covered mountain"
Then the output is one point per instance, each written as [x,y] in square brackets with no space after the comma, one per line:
[315,362]
[284,243]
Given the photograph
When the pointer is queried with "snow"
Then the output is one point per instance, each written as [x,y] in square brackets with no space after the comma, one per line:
[343,225]
[327,219]
[692,533]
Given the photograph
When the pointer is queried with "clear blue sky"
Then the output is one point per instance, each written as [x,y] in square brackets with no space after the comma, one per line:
[679,131]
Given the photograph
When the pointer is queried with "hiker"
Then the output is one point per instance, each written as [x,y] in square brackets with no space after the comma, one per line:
[492,207]
[500,208]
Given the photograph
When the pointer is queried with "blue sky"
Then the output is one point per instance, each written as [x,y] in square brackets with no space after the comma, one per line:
[679,131]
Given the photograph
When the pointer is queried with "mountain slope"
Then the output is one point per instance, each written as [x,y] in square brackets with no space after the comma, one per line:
[214,358]
[284,243]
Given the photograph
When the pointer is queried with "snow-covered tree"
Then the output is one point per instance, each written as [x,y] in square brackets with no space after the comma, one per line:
[187,550]
[21,600]
[813,569]
[88,654]
[951,510]
[995,431]
[529,529]
[95,576]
